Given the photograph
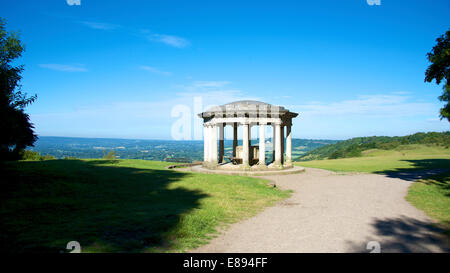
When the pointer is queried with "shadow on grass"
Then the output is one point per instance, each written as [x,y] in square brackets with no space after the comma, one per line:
[46,204]
[422,168]
[404,235]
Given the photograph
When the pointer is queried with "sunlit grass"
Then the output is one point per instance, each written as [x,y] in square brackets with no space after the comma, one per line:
[120,205]
[432,195]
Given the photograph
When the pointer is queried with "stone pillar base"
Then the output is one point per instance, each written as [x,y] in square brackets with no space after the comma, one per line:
[261,167]
[288,163]
[277,164]
[245,167]
[210,165]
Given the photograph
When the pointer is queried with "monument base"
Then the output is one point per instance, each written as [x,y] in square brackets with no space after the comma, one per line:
[249,171]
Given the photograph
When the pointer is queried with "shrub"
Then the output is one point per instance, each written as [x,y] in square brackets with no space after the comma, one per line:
[48,157]
[110,155]
[32,155]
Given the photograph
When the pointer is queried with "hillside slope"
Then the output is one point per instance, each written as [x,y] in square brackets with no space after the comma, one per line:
[356,146]
[403,157]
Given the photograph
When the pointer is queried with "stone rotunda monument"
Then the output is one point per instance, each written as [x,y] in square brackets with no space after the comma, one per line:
[247,113]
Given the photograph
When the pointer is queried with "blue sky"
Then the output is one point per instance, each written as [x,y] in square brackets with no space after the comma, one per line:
[118,68]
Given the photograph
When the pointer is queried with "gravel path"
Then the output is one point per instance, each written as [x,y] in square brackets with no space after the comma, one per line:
[332,212]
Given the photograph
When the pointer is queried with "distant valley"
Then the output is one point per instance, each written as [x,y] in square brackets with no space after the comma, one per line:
[64,147]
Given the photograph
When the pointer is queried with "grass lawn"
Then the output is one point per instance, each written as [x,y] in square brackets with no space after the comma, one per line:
[120,205]
[430,195]
[382,161]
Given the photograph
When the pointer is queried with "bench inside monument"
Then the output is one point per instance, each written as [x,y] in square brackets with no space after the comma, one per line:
[253,153]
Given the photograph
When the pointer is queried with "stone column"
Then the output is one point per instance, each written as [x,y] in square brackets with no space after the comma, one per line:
[288,146]
[214,145]
[205,143]
[274,137]
[221,142]
[262,145]
[277,162]
[245,142]
[282,143]
[235,138]
[250,155]
[209,143]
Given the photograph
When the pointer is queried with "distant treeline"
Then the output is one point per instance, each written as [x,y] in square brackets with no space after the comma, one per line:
[355,146]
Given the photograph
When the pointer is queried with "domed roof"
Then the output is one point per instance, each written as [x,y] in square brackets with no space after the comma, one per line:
[247,102]
[245,108]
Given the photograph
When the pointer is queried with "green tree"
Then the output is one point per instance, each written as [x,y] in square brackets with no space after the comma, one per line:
[439,70]
[16,129]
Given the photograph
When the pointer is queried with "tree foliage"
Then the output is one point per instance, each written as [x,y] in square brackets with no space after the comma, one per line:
[16,129]
[439,70]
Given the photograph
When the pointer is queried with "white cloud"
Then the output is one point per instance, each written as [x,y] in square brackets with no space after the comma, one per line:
[401,93]
[171,40]
[144,111]
[99,25]
[215,84]
[212,93]
[382,114]
[366,115]
[201,86]
[137,119]
[64,67]
[155,70]
[369,106]
[215,97]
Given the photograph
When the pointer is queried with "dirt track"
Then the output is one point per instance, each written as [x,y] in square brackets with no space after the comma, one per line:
[330,212]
